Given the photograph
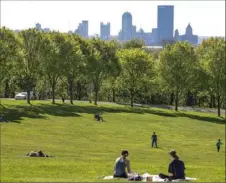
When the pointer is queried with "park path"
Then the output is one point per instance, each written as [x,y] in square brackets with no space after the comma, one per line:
[161,106]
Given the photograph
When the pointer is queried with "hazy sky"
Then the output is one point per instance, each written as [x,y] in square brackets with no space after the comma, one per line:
[206,17]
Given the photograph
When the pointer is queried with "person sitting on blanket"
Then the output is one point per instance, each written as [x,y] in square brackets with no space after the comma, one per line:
[121,164]
[176,168]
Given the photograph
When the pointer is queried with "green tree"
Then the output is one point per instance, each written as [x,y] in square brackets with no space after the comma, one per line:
[177,63]
[9,52]
[137,71]
[211,54]
[51,64]
[74,63]
[102,62]
[134,43]
[28,68]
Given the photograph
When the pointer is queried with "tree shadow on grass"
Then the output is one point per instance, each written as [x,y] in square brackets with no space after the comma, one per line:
[138,110]
[182,113]
[16,113]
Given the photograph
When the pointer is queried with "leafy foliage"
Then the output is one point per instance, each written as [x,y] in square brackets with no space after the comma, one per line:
[64,65]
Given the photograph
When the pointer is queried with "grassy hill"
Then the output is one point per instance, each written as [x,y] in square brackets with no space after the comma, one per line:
[86,149]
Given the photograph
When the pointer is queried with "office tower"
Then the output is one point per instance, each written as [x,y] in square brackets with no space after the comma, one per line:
[127,26]
[38,26]
[165,23]
[134,31]
[83,29]
[105,31]
[154,36]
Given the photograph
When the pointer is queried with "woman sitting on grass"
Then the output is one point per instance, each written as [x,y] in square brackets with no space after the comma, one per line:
[176,168]
[121,164]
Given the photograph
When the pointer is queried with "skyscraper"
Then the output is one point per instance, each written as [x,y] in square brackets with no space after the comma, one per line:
[85,28]
[127,26]
[82,29]
[165,23]
[38,26]
[105,31]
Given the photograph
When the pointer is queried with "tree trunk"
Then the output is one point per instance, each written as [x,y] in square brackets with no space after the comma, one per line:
[113,94]
[176,101]
[131,99]
[214,101]
[225,106]
[96,97]
[71,96]
[6,94]
[211,102]
[172,98]
[218,106]
[80,93]
[79,90]
[189,101]
[225,110]
[70,82]
[53,92]
[28,97]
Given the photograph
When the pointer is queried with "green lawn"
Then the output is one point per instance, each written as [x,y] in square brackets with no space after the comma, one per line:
[86,149]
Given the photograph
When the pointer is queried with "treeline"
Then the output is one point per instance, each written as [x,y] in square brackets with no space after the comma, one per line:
[60,65]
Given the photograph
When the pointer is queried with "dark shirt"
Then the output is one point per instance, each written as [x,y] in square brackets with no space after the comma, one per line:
[177,167]
[96,115]
[154,137]
[120,167]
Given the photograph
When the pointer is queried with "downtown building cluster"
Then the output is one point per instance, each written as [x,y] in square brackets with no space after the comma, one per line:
[164,33]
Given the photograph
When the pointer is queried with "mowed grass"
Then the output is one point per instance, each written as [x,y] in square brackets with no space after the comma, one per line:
[85,149]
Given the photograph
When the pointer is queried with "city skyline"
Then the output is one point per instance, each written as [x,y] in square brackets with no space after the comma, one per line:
[67,15]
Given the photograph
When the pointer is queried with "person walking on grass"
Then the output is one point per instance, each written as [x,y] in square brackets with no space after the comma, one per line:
[218,144]
[154,140]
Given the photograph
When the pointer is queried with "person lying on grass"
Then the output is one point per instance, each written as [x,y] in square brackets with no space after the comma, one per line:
[176,168]
[37,154]
[98,117]
[121,164]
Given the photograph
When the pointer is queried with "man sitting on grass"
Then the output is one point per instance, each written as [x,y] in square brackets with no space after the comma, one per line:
[98,117]
[176,168]
[121,164]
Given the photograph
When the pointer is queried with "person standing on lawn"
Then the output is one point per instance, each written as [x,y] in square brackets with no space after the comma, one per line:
[218,144]
[154,140]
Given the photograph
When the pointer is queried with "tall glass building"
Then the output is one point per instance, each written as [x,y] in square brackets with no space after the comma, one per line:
[165,23]
[127,26]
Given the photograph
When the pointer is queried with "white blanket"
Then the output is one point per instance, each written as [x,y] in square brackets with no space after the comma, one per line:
[155,178]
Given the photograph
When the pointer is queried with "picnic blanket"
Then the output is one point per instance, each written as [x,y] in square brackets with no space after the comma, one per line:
[155,178]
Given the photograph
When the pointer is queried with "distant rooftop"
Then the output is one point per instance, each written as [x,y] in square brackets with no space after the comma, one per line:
[153,47]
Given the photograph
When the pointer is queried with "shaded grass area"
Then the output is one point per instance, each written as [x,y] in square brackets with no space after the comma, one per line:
[85,149]
[40,110]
